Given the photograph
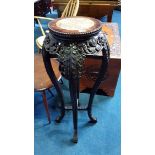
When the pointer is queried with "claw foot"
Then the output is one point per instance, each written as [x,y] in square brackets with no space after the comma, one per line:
[59,118]
[92,119]
[75,137]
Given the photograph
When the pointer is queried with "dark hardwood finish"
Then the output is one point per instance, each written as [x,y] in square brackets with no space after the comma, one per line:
[72,41]
[55,26]
[53,78]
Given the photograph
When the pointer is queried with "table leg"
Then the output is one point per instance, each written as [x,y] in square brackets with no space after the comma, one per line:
[74,93]
[50,72]
[101,74]
[78,89]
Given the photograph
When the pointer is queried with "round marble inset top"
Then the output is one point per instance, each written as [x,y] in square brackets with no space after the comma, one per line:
[75,25]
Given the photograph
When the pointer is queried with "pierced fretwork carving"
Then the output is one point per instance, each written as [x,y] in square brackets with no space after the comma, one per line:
[71,55]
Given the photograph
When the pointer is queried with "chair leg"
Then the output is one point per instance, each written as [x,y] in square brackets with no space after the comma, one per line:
[46,106]
[39,50]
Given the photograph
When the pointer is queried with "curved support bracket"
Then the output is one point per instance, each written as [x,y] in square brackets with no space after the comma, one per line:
[50,72]
[103,69]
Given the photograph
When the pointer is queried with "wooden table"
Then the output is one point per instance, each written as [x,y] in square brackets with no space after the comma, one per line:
[90,8]
[108,85]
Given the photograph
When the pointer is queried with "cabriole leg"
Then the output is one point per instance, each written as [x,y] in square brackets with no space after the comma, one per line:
[101,74]
[50,72]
